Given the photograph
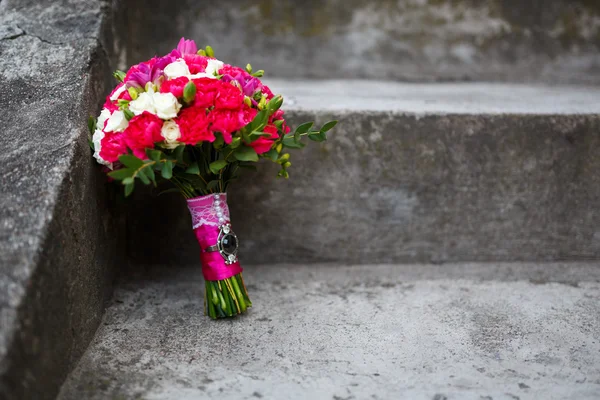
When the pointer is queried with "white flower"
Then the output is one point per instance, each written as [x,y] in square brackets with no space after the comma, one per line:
[170,131]
[118,92]
[202,75]
[104,115]
[97,139]
[176,69]
[213,66]
[144,102]
[166,105]
[117,122]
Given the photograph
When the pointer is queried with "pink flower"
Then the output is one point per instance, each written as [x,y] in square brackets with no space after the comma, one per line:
[230,121]
[265,89]
[187,47]
[174,86]
[264,144]
[206,91]
[196,63]
[112,146]
[193,125]
[143,131]
[228,97]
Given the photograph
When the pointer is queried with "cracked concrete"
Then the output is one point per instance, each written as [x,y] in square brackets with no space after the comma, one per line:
[458,331]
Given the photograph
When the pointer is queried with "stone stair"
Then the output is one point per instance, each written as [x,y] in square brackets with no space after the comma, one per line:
[443,244]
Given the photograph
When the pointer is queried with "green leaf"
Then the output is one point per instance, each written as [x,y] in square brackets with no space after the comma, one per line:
[212,184]
[92,124]
[303,128]
[128,180]
[129,189]
[235,143]
[274,104]
[150,173]
[317,136]
[154,155]
[219,141]
[278,123]
[167,170]
[297,137]
[257,135]
[245,153]
[178,153]
[121,174]
[119,75]
[189,92]
[131,161]
[193,169]
[142,175]
[272,154]
[128,114]
[91,144]
[291,143]
[328,126]
[258,123]
[217,166]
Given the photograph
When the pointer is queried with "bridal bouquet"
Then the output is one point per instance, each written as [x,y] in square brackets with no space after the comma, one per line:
[191,121]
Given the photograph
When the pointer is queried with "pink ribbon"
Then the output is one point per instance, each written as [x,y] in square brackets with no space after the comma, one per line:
[208,214]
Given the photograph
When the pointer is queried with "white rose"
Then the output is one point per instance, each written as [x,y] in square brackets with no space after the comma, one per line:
[202,75]
[97,139]
[118,92]
[170,131]
[117,122]
[144,102]
[176,69]
[213,66]
[104,115]
[166,105]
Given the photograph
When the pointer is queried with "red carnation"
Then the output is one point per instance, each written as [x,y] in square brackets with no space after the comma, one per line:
[196,63]
[206,91]
[112,146]
[143,131]
[228,97]
[174,86]
[230,121]
[193,124]
[263,144]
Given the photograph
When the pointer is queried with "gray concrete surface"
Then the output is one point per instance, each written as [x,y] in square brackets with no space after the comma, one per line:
[416,40]
[58,239]
[444,172]
[462,331]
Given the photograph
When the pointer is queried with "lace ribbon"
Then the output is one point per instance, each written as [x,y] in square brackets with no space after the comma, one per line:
[208,214]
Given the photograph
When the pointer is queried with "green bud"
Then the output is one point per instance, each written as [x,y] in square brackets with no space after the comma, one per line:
[149,86]
[209,51]
[119,75]
[247,101]
[133,93]
[287,165]
[249,68]
[279,148]
[259,73]
[284,157]
[201,52]
[189,92]
[262,103]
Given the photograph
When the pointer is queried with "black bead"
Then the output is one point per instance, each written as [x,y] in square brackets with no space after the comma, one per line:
[228,244]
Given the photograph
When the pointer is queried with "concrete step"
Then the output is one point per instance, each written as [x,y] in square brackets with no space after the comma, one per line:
[459,331]
[417,40]
[413,173]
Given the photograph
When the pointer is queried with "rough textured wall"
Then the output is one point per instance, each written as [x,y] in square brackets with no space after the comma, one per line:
[59,228]
[415,40]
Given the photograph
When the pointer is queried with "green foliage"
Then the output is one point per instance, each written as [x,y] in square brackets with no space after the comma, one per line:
[189,92]
[119,75]
[245,153]
[217,166]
